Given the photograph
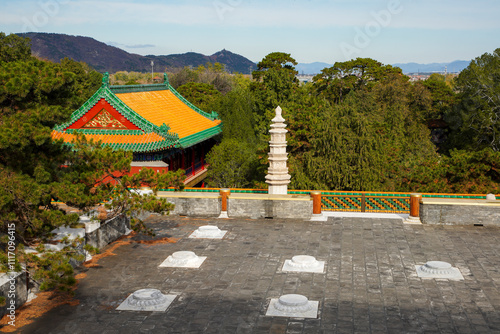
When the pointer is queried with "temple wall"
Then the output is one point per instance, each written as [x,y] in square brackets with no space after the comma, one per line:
[460,212]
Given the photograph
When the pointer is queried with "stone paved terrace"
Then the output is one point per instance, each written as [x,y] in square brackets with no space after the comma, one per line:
[370,284]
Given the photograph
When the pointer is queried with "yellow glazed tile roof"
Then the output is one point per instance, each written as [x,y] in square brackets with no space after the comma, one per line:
[163,106]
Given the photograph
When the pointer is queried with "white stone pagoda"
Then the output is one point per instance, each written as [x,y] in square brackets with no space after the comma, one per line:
[277,176]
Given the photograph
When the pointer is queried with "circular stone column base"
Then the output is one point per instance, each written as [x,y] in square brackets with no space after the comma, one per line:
[183,259]
[293,305]
[146,300]
[304,263]
[438,269]
[208,232]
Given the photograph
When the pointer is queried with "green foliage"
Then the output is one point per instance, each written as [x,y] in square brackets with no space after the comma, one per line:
[475,122]
[14,48]
[237,110]
[53,269]
[199,94]
[132,78]
[231,164]
[36,95]
[275,79]
[129,202]
[132,82]
[461,172]
[443,97]
[334,83]
[361,143]
[211,74]
[360,126]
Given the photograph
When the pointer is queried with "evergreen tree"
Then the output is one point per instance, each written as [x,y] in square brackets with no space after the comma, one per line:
[475,122]
[35,171]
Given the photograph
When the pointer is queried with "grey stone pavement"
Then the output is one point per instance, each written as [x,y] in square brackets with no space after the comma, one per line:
[369,285]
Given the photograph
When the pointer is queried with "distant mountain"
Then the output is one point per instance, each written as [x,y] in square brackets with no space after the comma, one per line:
[453,67]
[106,58]
[311,68]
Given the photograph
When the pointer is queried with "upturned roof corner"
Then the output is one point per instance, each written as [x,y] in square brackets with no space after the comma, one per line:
[140,118]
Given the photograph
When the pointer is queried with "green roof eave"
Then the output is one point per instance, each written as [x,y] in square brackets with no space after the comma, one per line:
[200,136]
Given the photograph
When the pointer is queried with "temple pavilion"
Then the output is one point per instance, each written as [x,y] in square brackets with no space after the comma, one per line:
[162,129]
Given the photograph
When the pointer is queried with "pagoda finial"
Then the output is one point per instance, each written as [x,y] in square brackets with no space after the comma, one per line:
[165,79]
[278,118]
[105,79]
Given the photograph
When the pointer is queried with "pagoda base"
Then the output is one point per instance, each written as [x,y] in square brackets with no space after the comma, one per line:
[278,189]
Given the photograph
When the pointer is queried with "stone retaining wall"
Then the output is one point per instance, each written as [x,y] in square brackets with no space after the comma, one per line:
[269,206]
[240,205]
[460,212]
[108,231]
[20,294]
[196,206]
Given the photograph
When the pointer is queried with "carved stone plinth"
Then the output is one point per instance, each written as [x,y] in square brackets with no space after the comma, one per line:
[183,259]
[438,269]
[208,232]
[304,263]
[146,300]
[293,305]
[277,175]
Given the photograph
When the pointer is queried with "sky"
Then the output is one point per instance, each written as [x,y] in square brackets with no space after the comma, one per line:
[390,31]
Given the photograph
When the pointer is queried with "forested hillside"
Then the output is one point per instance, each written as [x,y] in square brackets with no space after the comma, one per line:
[107,58]
[360,125]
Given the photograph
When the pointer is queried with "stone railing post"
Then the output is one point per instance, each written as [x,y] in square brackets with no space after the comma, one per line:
[414,217]
[224,193]
[316,198]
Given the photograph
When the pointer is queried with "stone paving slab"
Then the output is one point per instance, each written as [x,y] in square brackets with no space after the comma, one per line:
[369,286]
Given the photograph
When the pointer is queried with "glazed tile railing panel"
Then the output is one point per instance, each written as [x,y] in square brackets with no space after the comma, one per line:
[365,203]
[355,201]
[377,202]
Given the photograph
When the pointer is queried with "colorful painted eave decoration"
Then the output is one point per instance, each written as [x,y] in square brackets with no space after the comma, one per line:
[107,118]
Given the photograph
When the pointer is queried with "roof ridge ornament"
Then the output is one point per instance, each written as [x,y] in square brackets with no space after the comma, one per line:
[105,80]
[165,79]
[164,128]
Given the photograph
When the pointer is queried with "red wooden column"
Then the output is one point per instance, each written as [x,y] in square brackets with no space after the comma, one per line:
[316,197]
[414,217]
[415,205]
[183,161]
[224,193]
[192,161]
[203,158]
